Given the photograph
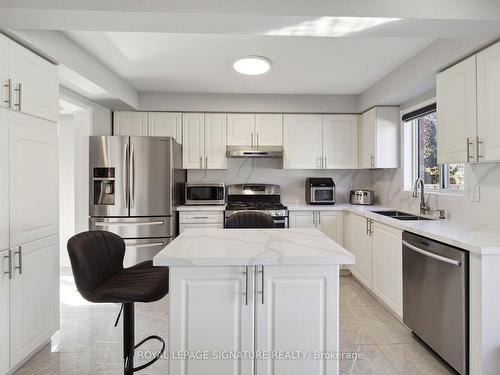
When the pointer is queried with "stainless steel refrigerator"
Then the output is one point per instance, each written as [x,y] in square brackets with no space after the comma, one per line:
[136,183]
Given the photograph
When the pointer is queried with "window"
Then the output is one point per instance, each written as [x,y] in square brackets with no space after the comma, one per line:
[420,154]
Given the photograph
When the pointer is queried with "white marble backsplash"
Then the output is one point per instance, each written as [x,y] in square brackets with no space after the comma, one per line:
[292,181]
[389,192]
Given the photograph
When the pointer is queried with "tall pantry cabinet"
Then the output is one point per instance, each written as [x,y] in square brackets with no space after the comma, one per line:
[29,204]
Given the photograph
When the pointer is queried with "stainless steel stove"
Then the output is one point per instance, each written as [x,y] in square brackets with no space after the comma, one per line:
[257,197]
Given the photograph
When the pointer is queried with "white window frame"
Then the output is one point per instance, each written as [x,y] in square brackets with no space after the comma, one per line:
[410,158]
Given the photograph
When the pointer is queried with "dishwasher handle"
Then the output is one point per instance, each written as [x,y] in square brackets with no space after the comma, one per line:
[431,255]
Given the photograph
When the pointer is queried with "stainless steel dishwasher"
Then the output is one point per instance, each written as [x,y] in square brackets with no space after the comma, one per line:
[435,297]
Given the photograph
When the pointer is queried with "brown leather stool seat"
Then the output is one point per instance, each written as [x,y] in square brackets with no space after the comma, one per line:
[249,219]
[97,263]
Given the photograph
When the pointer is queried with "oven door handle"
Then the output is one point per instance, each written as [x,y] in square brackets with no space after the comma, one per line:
[283,221]
[431,255]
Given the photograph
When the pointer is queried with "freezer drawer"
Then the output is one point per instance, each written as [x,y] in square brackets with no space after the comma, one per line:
[135,227]
[141,250]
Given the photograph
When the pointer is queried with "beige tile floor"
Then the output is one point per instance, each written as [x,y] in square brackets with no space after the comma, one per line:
[88,343]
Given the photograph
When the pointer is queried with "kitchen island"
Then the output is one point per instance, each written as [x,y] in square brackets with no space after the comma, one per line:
[253,301]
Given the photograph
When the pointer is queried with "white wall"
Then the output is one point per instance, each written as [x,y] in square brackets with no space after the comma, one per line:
[248,103]
[292,181]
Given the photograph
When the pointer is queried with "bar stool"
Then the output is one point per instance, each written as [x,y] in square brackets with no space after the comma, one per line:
[97,262]
[249,219]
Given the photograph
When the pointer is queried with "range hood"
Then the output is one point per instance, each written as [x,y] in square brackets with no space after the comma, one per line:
[254,152]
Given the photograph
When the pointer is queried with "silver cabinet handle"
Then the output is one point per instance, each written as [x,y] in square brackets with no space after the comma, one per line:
[251,139]
[19,90]
[319,217]
[132,175]
[126,163]
[478,155]
[200,217]
[367,226]
[206,162]
[9,257]
[261,272]
[245,293]
[372,161]
[201,162]
[371,227]
[431,255]
[19,252]
[8,86]
[326,162]
[257,139]
[314,218]
[469,143]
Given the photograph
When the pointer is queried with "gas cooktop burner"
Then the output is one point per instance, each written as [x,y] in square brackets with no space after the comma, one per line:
[255,206]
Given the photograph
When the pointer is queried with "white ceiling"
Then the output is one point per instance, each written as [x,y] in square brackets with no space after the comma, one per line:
[155,62]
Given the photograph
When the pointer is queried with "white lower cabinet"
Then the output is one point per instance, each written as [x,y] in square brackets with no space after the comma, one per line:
[34,296]
[328,222]
[236,309]
[200,219]
[387,266]
[281,326]
[4,312]
[379,265]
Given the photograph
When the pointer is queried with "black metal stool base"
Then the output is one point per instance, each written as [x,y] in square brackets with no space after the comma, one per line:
[129,339]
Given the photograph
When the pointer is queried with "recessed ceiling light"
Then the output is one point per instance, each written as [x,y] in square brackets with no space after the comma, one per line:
[252,65]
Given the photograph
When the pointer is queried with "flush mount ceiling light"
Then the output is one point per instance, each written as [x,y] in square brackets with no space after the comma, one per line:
[252,65]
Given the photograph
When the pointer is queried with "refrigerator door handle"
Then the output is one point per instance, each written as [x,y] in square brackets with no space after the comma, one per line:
[127,224]
[132,176]
[125,174]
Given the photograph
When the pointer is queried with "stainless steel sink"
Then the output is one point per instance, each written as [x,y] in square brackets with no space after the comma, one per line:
[401,215]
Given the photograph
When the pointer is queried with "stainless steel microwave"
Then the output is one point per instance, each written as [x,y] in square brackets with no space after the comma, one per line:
[205,193]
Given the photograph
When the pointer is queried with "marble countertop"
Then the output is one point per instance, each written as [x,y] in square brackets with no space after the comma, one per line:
[213,207]
[241,247]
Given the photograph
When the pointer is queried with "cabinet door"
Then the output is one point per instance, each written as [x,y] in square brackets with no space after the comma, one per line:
[130,123]
[4,312]
[366,155]
[387,137]
[163,124]
[456,110]
[211,312]
[36,83]
[302,219]
[193,140]
[331,223]
[34,185]
[215,141]
[488,97]
[388,266]
[269,129]
[5,94]
[361,246]
[302,141]
[241,129]
[297,311]
[4,183]
[34,297]
[340,141]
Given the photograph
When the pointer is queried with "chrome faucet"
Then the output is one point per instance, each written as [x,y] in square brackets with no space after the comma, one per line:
[424,209]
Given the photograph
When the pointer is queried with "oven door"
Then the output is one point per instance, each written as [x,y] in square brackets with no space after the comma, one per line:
[322,195]
[204,194]
[280,221]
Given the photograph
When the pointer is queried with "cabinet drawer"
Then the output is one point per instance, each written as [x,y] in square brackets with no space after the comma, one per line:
[201,217]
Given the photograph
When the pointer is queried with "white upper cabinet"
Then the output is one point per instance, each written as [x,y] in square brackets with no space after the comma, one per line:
[215,141]
[4,183]
[193,140]
[269,129]
[130,123]
[241,129]
[340,141]
[488,99]
[34,184]
[379,138]
[30,84]
[165,124]
[456,110]
[204,141]
[302,141]
[5,92]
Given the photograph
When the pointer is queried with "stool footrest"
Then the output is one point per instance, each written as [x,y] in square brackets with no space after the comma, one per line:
[157,357]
